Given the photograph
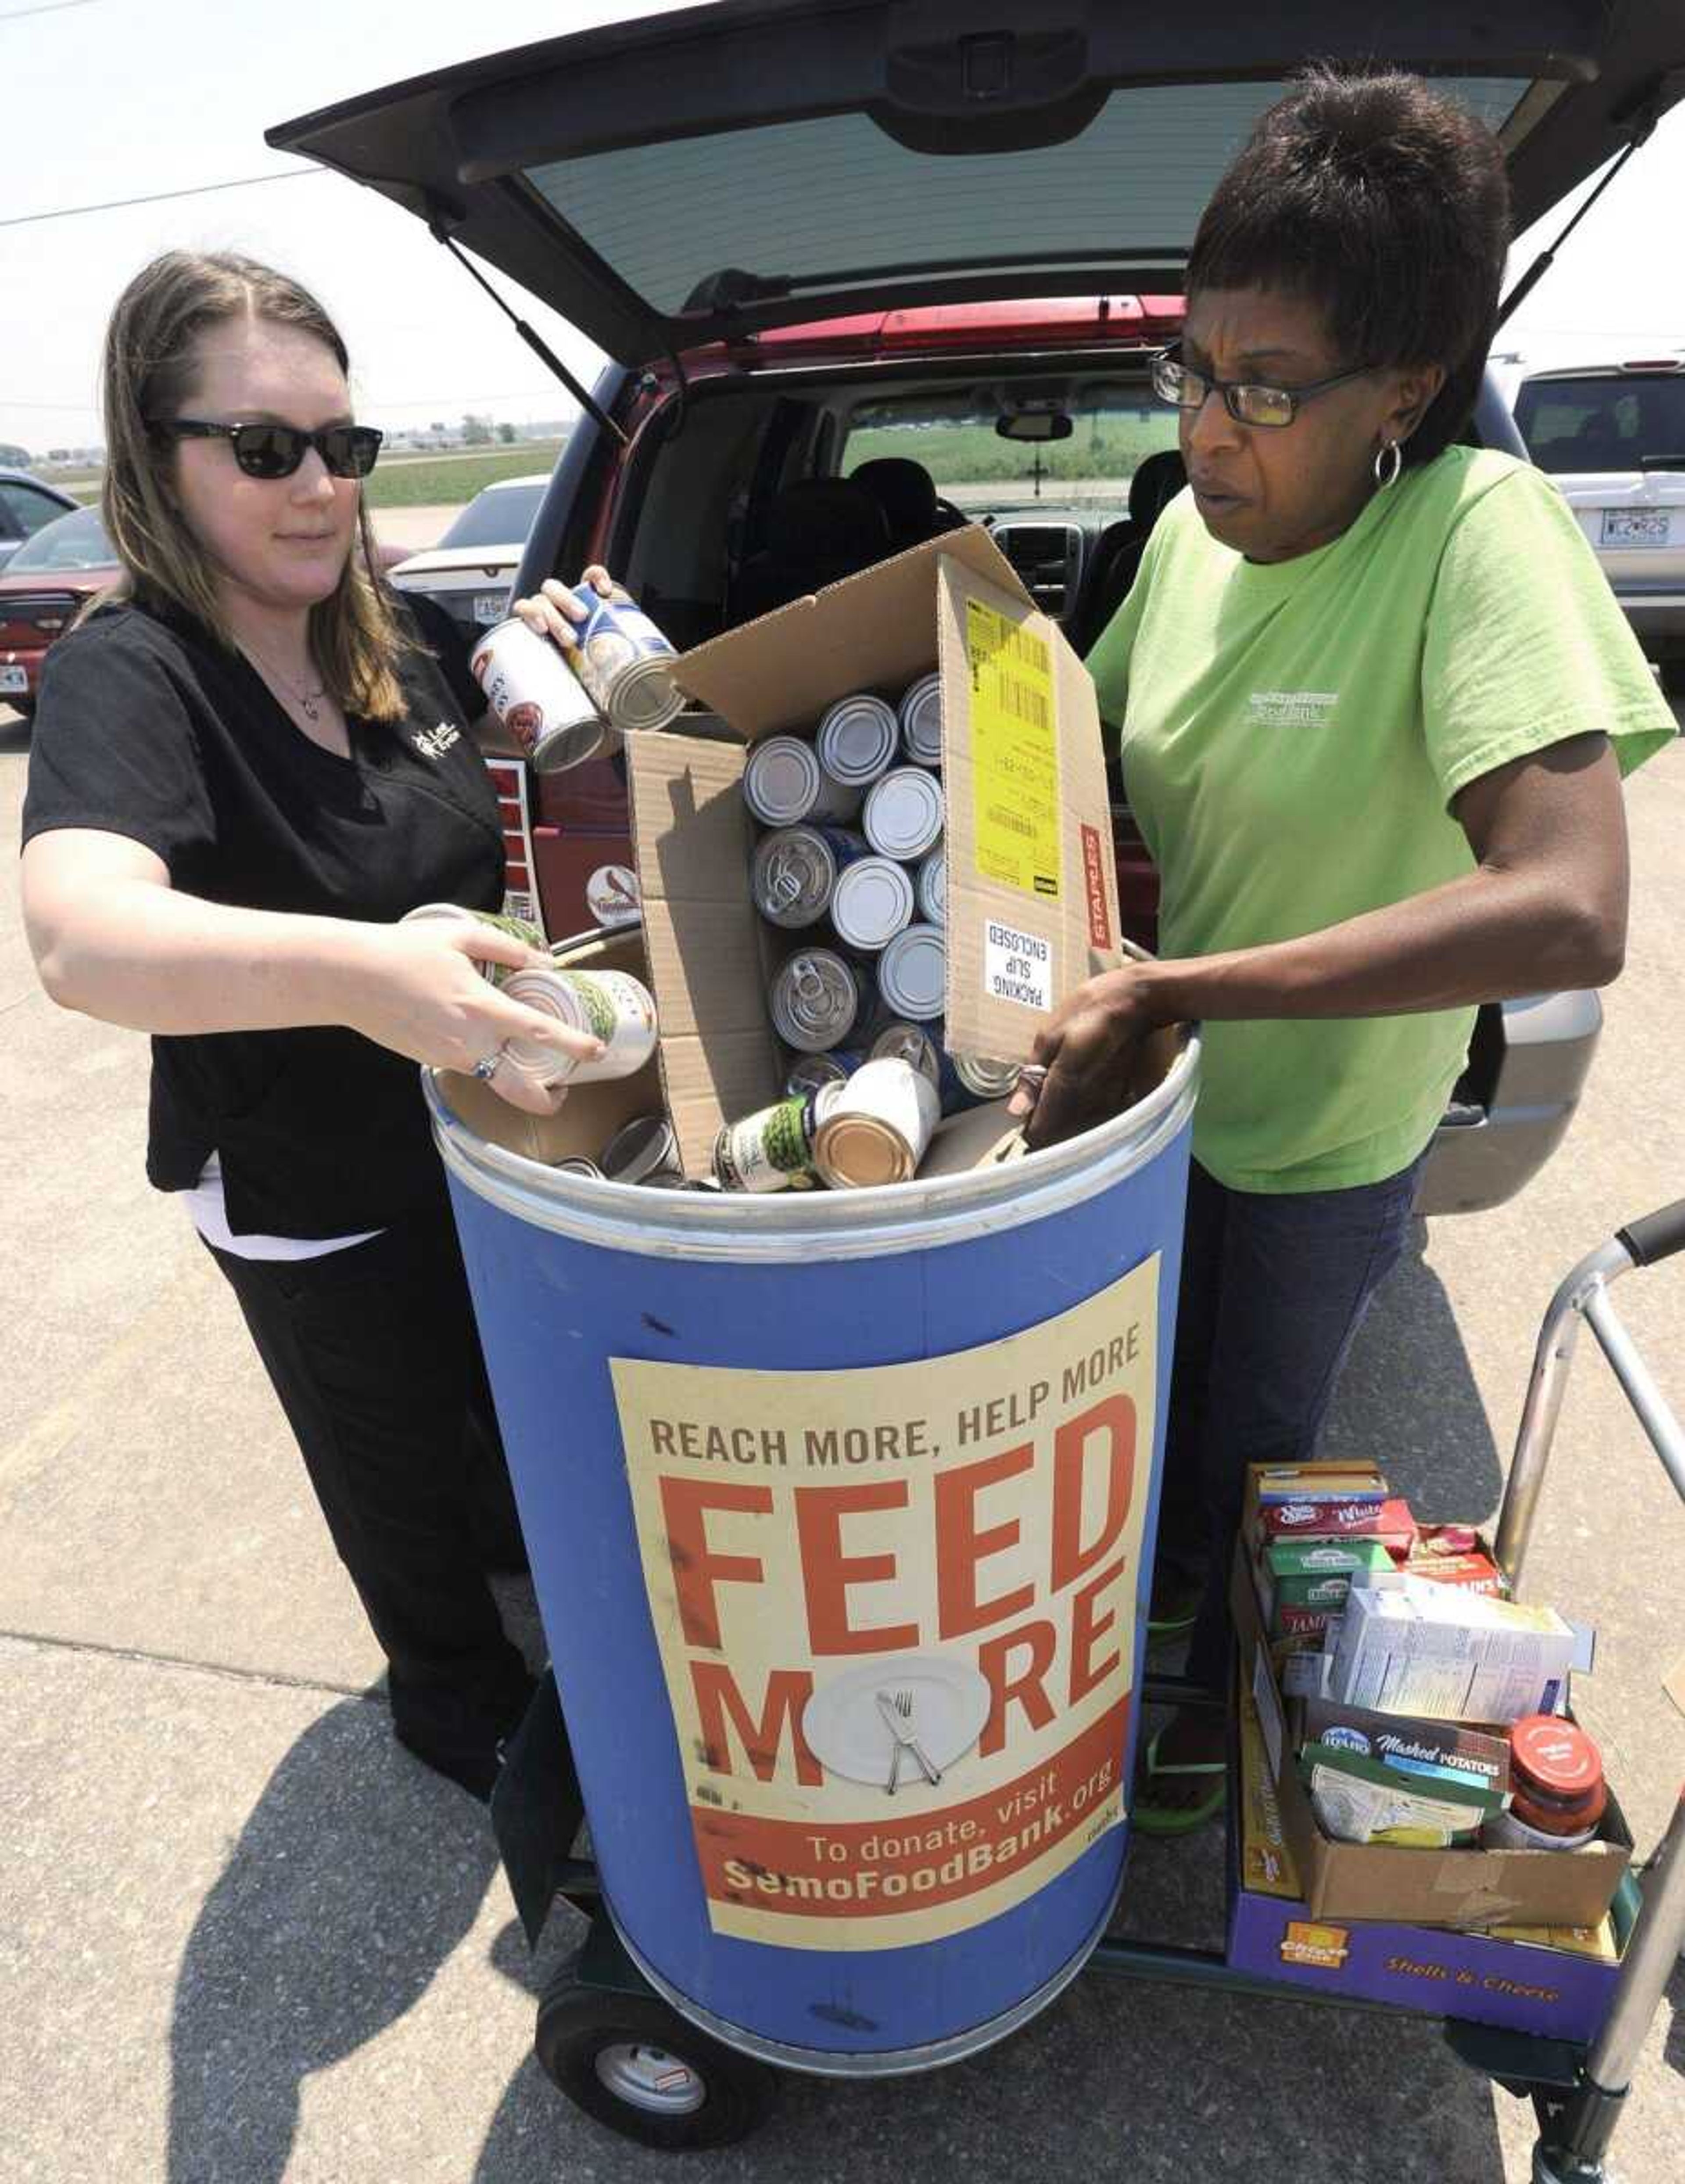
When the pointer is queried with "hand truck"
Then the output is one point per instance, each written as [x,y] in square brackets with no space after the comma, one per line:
[630,2059]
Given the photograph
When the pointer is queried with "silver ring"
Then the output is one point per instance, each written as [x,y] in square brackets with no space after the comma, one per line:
[486,1067]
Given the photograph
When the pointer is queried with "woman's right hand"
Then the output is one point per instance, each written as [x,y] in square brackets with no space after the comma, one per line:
[552,610]
[416,990]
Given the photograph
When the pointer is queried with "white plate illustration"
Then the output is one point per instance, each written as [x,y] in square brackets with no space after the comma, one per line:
[947,1704]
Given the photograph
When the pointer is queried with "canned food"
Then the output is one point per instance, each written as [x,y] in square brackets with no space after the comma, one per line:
[912,973]
[577,1165]
[612,1005]
[816,1000]
[641,1150]
[773,1148]
[985,1076]
[920,712]
[871,902]
[814,1071]
[624,661]
[904,813]
[454,913]
[910,1043]
[612,896]
[794,871]
[784,784]
[532,690]
[878,1126]
[932,886]
[856,740]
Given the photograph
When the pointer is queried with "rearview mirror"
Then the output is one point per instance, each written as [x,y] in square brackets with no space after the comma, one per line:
[1034,425]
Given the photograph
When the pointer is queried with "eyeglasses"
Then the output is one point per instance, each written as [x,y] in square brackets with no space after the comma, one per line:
[275,451]
[1180,385]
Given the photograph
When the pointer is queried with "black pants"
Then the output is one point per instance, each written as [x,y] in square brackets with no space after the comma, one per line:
[1274,1289]
[375,1357]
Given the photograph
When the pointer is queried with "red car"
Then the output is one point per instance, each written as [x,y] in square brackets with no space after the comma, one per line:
[43,588]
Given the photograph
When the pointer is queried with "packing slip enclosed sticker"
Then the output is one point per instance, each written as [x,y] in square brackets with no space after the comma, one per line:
[896,1612]
[1015,753]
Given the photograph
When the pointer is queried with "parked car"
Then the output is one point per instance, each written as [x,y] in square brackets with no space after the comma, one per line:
[673,186]
[43,588]
[1613,437]
[470,571]
[26,504]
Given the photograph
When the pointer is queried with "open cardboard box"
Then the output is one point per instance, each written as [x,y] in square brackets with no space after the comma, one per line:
[1031,909]
[1419,1887]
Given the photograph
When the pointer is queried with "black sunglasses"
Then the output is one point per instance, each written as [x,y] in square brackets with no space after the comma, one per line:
[275,451]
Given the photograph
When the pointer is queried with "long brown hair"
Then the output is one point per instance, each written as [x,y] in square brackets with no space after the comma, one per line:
[151,358]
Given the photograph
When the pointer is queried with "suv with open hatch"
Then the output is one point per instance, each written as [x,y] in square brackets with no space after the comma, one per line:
[865,270]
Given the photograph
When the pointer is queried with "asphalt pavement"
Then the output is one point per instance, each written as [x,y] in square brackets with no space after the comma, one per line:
[243,1939]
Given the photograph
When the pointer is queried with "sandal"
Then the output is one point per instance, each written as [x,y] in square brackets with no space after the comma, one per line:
[1178,1821]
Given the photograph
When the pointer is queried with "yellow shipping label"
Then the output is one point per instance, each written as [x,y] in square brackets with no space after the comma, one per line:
[1014,754]
[896,1609]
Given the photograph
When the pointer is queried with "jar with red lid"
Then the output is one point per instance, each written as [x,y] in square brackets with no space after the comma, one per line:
[1558,1792]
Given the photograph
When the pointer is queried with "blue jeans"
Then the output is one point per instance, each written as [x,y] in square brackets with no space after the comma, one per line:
[1274,1289]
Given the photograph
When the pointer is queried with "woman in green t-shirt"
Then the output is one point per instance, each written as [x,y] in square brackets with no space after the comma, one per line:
[1375,700]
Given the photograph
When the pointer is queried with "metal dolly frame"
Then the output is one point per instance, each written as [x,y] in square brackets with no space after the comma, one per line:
[627,2058]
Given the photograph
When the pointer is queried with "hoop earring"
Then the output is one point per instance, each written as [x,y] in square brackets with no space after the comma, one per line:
[1392,455]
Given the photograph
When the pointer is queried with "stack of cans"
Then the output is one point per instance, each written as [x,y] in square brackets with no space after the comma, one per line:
[852,861]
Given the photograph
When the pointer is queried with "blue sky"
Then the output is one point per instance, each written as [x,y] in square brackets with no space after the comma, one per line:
[112,98]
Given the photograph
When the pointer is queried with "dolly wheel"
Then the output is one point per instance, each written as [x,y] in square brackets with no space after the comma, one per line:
[638,2066]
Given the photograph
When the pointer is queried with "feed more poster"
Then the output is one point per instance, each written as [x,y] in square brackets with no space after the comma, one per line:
[895,1607]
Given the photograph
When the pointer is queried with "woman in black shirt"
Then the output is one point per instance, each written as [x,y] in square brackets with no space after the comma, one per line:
[245,769]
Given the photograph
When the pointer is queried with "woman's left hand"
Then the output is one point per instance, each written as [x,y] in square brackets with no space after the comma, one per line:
[552,610]
[1087,1051]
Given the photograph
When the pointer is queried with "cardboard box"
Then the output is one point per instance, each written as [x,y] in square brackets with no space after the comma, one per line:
[1032,887]
[1419,1887]
[1409,1646]
[1270,1483]
[1297,1576]
[1555,1980]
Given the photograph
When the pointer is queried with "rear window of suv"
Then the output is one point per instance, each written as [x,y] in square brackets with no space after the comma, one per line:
[973,466]
[1603,422]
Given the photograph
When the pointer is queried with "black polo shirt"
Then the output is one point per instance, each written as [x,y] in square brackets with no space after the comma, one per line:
[148,727]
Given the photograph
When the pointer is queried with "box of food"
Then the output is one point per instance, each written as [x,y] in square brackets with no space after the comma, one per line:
[1555,1980]
[1270,1483]
[1315,1574]
[1031,891]
[1459,1888]
[1389,1522]
[1409,1646]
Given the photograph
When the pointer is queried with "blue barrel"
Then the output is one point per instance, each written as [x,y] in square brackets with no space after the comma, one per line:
[916,1542]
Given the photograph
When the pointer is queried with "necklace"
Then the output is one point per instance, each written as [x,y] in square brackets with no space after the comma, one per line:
[305,700]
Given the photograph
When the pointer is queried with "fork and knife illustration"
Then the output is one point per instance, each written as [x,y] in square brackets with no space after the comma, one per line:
[897,1709]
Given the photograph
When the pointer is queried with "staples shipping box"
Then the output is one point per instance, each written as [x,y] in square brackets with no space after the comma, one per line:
[1031,908]
[1412,1886]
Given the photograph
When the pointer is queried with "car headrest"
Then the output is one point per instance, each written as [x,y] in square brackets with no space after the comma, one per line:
[1155,486]
[827,519]
[906,492]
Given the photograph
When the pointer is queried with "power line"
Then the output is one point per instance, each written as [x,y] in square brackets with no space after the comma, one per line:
[49,8]
[161,197]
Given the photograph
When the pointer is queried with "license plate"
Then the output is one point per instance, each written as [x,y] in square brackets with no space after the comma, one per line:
[490,607]
[1635,527]
[14,681]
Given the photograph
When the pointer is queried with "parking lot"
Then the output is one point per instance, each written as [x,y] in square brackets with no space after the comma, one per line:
[247,1940]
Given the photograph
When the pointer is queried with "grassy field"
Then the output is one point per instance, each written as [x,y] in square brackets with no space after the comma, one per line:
[415,480]
[976,454]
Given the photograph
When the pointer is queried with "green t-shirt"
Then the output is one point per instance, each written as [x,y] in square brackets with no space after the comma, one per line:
[1292,734]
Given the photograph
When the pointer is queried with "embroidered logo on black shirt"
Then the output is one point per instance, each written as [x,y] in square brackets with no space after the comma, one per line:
[434,743]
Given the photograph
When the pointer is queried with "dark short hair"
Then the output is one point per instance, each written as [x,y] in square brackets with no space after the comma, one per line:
[1387,204]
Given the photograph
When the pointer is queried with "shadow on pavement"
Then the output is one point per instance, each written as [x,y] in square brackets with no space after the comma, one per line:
[1409,1398]
[351,1882]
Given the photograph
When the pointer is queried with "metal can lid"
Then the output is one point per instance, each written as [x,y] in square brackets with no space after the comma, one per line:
[983,1074]
[552,994]
[856,739]
[819,1072]
[575,1164]
[921,711]
[792,875]
[639,1148]
[570,744]
[645,694]
[815,999]
[904,813]
[912,972]
[872,901]
[933,887]
[782,780]
[861,1152]
[910,1042]
[612,896]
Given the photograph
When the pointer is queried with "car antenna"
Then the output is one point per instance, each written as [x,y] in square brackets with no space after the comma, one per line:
[1644,123]
[536,342]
